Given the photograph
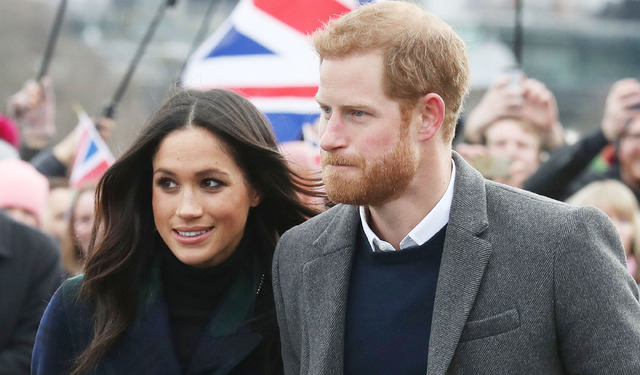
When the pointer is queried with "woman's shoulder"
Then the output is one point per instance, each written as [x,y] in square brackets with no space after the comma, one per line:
[72,308]
[65,330]
[70,289]
[67,297]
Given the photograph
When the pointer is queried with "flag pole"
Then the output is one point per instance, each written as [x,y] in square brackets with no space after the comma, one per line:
[51,42]
[200,35]
[517,37]
[110,109]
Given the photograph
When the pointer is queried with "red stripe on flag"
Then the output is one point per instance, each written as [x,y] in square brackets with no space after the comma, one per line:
[94,175]
[303,15]
[84,139]
[268,92]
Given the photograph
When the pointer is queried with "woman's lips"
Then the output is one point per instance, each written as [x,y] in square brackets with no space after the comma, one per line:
[190,236]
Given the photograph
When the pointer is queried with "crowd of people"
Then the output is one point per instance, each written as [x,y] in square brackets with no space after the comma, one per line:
[514,136]
[210,248]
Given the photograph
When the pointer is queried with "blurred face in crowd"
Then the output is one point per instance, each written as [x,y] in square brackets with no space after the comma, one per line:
[510,138]
[56,221]
[201,199]
[83,219]
[367,157]
[629,155]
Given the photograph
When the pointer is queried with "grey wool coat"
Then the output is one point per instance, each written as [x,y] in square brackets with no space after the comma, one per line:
[527,285]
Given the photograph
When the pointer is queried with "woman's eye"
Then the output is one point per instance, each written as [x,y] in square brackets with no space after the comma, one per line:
[166,183]
[211,183]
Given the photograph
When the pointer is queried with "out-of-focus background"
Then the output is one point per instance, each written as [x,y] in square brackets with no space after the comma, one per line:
[578,48]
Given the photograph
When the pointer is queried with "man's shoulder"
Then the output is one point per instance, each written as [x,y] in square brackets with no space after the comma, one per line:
[508,196]
[525,209]
[319,223]
[25,241]
[328,226]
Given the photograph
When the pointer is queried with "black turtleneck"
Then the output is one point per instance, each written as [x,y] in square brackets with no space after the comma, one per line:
[192,294]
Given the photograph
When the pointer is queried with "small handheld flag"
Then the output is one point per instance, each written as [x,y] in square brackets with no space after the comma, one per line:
[92,157]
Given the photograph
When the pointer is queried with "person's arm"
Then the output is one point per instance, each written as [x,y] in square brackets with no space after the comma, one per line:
[623,96]
[596,299]
[46,276]
[33,108]
[564,165]
[499,99]
[57,161]
[554,177]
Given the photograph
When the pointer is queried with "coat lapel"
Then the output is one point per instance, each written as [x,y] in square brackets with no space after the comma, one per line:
[325,285]
[464,260]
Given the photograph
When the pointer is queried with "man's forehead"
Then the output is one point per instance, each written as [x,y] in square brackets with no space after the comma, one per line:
[342,102]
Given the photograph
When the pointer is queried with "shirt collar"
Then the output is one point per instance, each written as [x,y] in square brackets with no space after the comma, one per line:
[437,218]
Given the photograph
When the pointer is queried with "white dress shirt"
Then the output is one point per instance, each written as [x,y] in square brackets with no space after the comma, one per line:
[431,224]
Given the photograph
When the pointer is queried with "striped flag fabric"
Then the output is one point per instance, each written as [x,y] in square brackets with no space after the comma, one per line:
[262,51]
[92,157]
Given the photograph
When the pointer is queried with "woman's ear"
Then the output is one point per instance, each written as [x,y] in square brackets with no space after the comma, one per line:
[431,107]
[254,197]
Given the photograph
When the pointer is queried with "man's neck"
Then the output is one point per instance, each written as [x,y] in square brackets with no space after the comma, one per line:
[394,219]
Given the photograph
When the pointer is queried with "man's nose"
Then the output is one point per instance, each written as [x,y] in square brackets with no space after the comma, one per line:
[333,134]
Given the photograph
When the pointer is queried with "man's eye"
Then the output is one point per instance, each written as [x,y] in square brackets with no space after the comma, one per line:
[358,113]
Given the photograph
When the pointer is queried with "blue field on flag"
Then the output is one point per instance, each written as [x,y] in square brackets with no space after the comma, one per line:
[262,52]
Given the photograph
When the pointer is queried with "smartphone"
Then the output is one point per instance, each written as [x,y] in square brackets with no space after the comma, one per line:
[516,76]
[492,166]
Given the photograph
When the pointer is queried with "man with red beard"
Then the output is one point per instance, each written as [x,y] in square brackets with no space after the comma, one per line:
[424,266]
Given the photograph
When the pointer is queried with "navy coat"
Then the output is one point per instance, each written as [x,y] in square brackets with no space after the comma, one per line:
[230,344]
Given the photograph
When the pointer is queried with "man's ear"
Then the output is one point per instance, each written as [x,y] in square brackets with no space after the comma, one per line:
[431,107]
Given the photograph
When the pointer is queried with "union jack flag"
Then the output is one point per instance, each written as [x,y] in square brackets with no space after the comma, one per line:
[92,157]
[262,52]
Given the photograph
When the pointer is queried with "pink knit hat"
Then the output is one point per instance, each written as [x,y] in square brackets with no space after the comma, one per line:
[9,131]
[22,186]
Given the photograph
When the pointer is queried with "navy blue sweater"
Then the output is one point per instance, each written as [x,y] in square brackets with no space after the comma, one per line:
[389,308]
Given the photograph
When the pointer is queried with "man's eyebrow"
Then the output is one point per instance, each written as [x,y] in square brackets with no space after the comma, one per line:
[367,107]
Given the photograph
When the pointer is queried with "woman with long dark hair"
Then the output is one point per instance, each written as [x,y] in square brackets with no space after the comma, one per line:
[178,281]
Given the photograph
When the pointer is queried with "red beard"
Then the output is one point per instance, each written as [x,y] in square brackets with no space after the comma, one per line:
[378,180]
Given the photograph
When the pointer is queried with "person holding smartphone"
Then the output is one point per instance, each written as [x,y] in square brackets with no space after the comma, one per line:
[567,169]
[509,130]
